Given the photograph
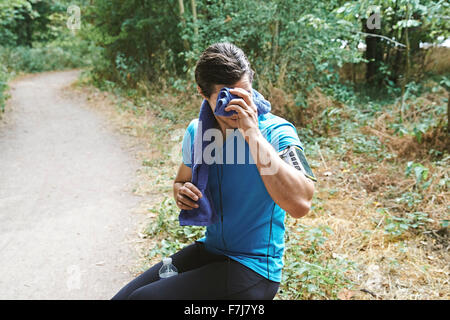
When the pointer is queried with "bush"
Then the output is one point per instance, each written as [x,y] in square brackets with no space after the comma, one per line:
[3,87]
[139,39]
[57,55]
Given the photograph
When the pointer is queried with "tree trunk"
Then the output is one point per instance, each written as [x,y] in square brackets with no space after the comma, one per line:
[408,49]
[448,111]
[372,53]
[408,57]
[181,8]
[183,21]
[194,17]
[275,41]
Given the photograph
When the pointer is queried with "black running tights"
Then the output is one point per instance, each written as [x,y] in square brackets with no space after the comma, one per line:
[201,275]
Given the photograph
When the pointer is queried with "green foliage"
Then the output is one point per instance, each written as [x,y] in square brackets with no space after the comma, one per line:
[23,22]
[150,41]
[309,272]
[140,39]
[396,226]
[420,173]
[403,23]
[167,225]
[3,87]
[57,55]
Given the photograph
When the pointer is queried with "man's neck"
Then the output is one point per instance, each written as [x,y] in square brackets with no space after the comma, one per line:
[223,128]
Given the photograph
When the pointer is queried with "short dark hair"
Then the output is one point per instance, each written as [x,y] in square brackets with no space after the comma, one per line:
[221,63]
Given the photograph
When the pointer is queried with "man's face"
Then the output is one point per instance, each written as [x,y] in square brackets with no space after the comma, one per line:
[228,122]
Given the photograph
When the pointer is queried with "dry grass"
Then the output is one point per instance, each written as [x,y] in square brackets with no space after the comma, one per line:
[437,60]
[408,147]
[357,194]
[283,105]
[413,266]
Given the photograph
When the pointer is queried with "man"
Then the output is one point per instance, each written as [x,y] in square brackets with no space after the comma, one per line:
[241,256]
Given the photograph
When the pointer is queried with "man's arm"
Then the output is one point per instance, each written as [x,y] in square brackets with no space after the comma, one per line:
[287,186]
[184,192]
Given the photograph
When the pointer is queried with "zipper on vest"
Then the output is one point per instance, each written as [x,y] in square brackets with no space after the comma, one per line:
[220,203]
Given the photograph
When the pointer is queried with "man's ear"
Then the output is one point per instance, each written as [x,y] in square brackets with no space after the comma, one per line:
[199,90]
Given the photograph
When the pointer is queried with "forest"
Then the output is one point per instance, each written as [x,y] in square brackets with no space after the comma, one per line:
[366,84]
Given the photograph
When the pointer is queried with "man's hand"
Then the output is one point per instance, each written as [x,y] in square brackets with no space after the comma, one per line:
[247,112]
[186,196]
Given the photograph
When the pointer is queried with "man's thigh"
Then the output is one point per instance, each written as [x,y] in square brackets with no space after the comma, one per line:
[190,257]
[246,284]
[206,282]
[225,279]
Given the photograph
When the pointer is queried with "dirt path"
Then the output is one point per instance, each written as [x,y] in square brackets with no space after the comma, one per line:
[66,220]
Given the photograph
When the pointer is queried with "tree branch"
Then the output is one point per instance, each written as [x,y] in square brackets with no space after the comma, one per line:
[380,36]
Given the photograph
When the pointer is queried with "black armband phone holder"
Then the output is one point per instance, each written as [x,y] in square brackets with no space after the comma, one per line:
[294,156]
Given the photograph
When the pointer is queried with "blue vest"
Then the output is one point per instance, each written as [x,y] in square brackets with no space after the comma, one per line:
[251,230]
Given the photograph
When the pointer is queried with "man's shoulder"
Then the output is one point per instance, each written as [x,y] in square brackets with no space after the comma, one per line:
[193,124]
[278,131]
[270,122]
[192,128]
